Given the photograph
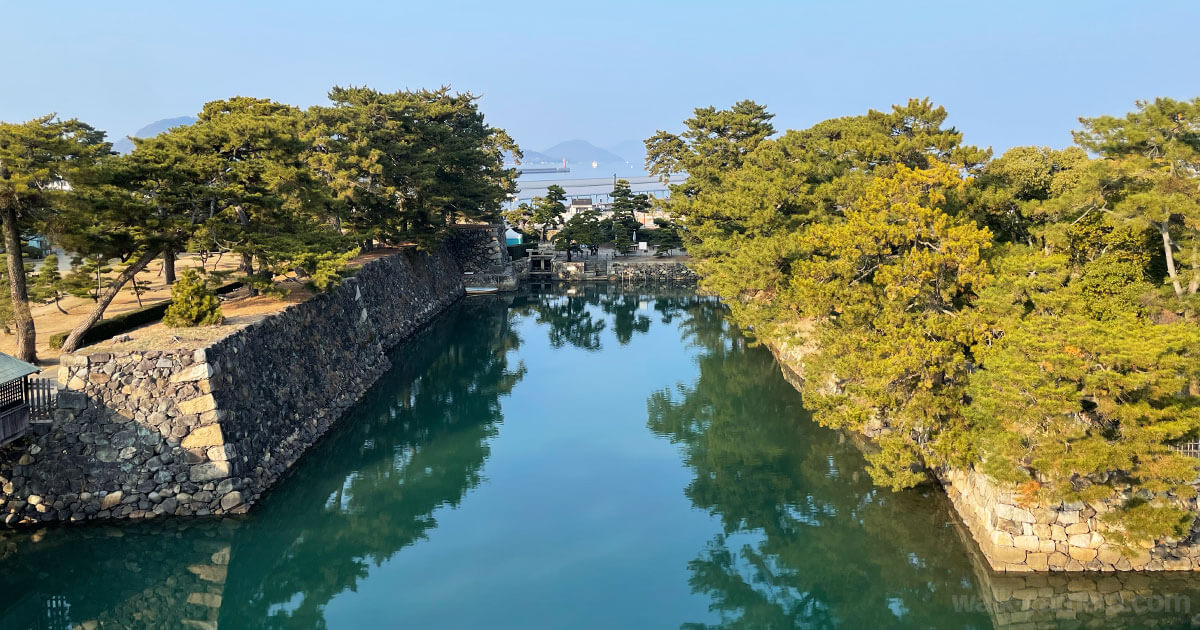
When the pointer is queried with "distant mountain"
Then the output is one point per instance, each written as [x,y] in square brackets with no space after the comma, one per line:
[532,157]
[123,145]
[634,151]
[581,152]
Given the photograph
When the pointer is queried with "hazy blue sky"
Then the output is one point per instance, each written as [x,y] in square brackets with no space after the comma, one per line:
[1010,73]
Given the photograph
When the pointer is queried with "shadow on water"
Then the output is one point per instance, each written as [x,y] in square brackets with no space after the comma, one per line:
[799,536]
[417,442]
[808,541]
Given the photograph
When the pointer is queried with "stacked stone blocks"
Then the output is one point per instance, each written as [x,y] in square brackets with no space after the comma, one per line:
[206,431]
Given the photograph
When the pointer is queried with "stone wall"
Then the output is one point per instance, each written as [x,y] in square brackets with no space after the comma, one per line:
[521,268]
[1080,600]
[641,271]
[206,430]
[1012,535]
[1016,536]
[483,254]
[573,271]
[652,271]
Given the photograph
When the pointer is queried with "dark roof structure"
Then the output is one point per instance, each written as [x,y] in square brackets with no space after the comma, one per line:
[12,368]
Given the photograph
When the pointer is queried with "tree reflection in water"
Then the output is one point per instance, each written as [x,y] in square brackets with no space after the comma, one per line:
[421,439]
[578,315]
[807,541]
[803,537]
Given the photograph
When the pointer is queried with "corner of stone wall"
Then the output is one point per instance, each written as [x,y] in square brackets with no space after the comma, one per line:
[1017,536]
[136,435]
[1012,535]
[482,252]
[148,433]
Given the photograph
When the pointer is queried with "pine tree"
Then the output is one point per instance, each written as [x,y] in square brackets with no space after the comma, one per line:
[890,286]
[37,159]
[49,284]
[86,279]
[402,166]
[625,205]
[1150,175]
[666,236]
[1041,355]
[1077,408]
[622,241]
[582,229]
[548,210]
[193,303]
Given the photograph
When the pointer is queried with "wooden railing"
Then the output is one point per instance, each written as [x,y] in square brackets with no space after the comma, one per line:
[1188,448]
[42,397]
[14,422]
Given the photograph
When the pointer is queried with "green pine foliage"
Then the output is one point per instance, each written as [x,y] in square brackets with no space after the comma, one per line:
[326,270]
[287,191]
[1004,315]
[36,158]
[584,229]
[666,236]
[49,285]
[86,278]
[193,303]
[547,211]
[622,238]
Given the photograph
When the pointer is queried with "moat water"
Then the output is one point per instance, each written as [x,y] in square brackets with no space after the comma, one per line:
[592,458]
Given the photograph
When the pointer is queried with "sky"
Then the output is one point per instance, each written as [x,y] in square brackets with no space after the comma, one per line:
[1010,73]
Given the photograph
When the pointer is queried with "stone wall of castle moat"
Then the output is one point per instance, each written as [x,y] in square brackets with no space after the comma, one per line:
[199,429]
[1017,536]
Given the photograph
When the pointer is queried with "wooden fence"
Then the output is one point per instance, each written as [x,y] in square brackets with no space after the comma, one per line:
[1188,448]
[43,397]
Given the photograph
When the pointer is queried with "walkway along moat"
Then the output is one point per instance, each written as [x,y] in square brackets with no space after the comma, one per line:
[593,457]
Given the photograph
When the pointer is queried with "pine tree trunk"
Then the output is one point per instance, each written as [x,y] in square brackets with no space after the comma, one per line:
[76,337]
[247,259]
[169,266]
[1195,283]
[1163,228]
[22,318]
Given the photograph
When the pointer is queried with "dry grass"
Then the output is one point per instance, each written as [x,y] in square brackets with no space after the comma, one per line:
[239,308]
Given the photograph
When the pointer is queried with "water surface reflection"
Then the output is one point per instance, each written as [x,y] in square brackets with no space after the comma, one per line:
[594,457]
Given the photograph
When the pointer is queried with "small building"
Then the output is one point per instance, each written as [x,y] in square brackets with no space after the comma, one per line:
[14,397]
[512,237]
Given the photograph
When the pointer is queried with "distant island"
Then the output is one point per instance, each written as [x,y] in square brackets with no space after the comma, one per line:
[124,145]
[584,152]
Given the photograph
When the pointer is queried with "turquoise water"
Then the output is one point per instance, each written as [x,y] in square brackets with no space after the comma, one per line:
[597,458]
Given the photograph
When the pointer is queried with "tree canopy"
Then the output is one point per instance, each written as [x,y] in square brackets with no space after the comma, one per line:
[42,162]
[999,314]
[287,190]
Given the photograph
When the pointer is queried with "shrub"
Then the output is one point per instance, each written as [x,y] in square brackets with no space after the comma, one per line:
[193,303]
[113,326]
[326,270]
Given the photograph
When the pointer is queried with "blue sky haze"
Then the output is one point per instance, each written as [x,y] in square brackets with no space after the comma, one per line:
[1010,73]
